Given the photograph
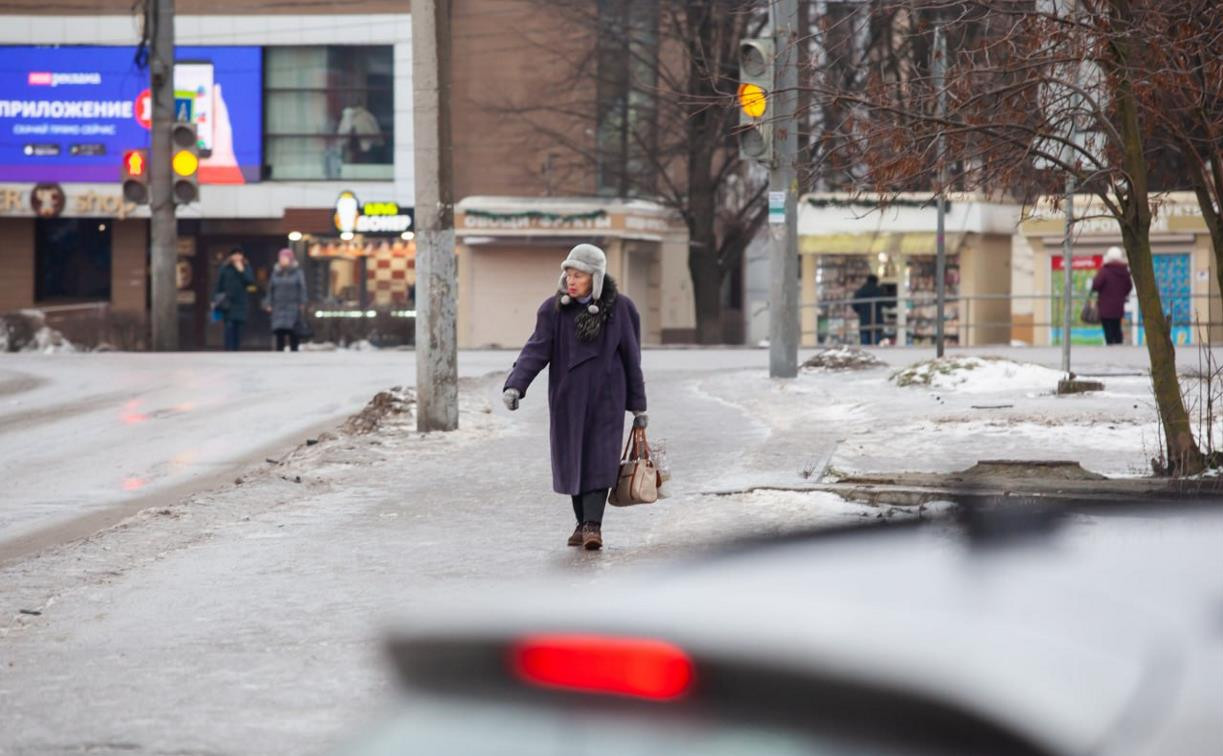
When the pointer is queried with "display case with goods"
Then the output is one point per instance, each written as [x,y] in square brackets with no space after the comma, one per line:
[923,304]
[838,278]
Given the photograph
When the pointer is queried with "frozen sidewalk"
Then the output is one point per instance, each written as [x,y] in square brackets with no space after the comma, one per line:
[246,618]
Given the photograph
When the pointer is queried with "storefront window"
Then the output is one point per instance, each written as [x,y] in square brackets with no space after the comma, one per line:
[71,259]
[329,113]
[365,273]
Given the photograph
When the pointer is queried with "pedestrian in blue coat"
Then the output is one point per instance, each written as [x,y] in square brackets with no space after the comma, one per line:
[589,336]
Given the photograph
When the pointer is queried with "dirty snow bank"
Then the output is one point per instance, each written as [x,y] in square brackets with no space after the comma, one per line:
[27,331]
[979,375]
[842,358]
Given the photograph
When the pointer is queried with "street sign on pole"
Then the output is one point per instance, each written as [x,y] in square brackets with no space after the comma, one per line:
[777,208]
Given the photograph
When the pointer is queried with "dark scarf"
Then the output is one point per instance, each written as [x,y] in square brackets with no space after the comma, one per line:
[590,324]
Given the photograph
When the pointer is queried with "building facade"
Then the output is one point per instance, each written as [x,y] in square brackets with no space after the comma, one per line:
[1185,271]
[305,117]
[843,239]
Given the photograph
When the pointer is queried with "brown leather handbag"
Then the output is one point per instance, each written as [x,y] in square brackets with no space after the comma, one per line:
[639,479]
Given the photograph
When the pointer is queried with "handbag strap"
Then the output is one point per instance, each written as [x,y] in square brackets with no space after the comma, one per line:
[636,447]
[641,446]
[624,457]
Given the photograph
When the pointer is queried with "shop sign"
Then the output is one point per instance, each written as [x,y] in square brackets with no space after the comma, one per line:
[51,200]
[531,220]
[645,223]
[47,200]
[1079,262]
[351,217]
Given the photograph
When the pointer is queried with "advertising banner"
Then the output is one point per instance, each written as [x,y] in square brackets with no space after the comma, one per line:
[67,114]
[1083,270]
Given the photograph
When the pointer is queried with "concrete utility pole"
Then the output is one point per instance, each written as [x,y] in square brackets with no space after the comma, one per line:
[938,69]
[163,228]
[783,253]
[1068,274]
[437,380]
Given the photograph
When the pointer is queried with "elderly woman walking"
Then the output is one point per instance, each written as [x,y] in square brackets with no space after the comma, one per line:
[1113,284]
[590,335]
[287,300]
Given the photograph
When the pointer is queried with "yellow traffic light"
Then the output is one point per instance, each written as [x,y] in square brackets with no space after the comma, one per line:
[185,163]
[753,100]
[756,81]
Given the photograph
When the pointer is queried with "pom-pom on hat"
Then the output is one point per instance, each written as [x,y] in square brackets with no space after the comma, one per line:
[589,259]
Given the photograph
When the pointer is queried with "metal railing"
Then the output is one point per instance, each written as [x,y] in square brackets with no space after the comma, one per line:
[974,320]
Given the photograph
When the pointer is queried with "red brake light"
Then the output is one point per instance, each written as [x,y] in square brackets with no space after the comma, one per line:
[636,667]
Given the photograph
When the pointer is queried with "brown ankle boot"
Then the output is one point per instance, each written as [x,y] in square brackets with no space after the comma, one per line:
[592,538]
[576,538]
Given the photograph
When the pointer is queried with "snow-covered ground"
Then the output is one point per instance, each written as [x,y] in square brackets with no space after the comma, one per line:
[245,617]
[937,418]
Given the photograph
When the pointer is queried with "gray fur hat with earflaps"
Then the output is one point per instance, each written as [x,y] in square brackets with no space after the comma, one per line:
[589,259]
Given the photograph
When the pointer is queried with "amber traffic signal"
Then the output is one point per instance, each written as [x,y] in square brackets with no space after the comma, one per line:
[136,176]
[756,64]
[184,141]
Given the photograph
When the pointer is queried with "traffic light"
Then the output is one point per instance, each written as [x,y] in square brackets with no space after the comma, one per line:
[185,144]
[755,88]
[136,176]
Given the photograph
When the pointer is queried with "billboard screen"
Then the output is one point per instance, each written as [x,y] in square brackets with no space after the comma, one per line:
[68,113]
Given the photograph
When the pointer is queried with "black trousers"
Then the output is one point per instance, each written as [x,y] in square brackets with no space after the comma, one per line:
[289,335]
[588,507]
[1112,330]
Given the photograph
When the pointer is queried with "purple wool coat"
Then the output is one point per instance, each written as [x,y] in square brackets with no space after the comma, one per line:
[590,387]
[1113,283]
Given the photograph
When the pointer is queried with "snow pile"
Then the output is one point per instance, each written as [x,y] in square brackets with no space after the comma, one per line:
[979,375]
[318,346]
[360,345]
[50,341]
[385,405]
[27,331]
[840,359]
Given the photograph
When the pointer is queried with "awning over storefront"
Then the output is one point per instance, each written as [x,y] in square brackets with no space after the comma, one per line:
[891,243]
[323,247]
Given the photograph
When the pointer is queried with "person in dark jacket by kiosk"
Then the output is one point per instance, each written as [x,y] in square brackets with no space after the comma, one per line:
[870,314]
[1113,285]
[590,336]
[230,297]
[287,300]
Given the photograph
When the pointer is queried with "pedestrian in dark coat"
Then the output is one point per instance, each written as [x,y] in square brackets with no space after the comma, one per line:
[230,297]
[870,314]
[287,300]
[1113,285]
[589,335]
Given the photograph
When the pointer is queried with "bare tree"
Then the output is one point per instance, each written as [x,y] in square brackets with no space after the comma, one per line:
[1036,90]
[662,71]
[1183,101]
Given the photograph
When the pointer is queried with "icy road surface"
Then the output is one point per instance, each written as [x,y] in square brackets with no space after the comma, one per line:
[247,618]
[81,433]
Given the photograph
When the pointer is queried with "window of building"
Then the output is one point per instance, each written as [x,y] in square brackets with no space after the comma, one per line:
[329,113]
[72,259]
